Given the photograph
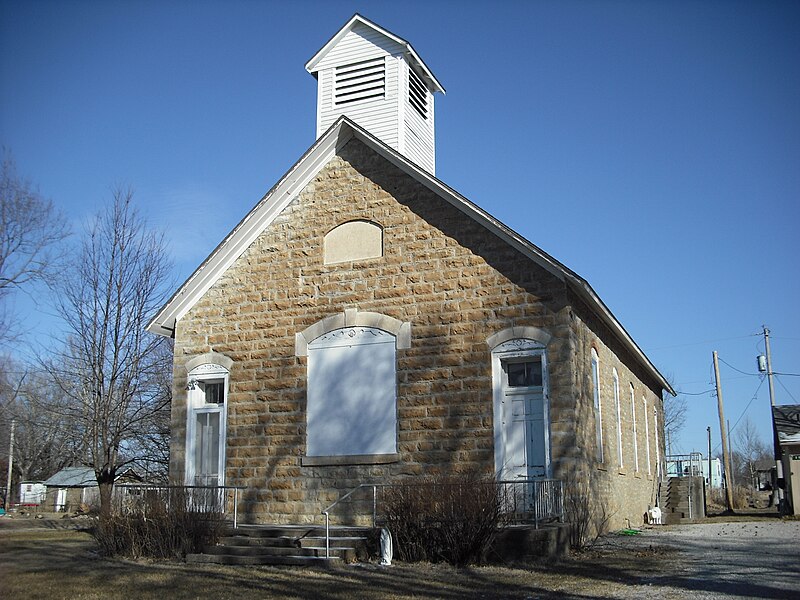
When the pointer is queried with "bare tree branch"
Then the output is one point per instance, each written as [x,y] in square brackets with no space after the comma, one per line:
[109,365]
[675,410]
[30,230]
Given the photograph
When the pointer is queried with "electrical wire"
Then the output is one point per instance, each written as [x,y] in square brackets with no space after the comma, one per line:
[735,369]
[694,393]
[731,430]
[740,337]
[785,388]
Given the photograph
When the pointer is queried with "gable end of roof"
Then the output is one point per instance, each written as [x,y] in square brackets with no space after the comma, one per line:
[270,206]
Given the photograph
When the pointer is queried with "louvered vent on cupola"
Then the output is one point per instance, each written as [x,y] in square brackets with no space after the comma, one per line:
[377,80]
[417,93]
[363,80]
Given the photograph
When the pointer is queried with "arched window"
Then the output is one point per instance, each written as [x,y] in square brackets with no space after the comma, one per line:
[647,436]
[635,441]
[598,412]
[619,418]
[207,393]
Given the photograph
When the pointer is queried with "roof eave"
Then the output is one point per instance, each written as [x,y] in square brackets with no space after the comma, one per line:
[236,242]
[588,295]
[516,240]
[239,239]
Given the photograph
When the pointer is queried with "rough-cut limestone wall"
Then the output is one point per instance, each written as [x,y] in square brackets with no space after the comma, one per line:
[628,492]
[453,281]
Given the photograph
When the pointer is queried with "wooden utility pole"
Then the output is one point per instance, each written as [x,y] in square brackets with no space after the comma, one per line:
[778,495]
[708,429]
[730,454]
[10,466]
[769,367]
[728,491]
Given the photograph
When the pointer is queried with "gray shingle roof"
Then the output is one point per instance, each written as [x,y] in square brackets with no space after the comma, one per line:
[73,477]
[787,422]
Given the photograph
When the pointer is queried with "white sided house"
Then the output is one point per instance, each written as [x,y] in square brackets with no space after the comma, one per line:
[366,324]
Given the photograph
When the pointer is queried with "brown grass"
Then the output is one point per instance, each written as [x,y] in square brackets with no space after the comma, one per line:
[65,564]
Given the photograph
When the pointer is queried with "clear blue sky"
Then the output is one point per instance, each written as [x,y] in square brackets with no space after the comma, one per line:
[652,147]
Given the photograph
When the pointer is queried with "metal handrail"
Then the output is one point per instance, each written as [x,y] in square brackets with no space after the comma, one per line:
[326,511]
[554,508]
[685,465]
[235,488]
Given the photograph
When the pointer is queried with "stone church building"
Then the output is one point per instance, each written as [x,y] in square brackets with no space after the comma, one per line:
[365,323]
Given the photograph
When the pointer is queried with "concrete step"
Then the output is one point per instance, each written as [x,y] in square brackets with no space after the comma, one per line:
[290,542]
[282,544]
[297,531]
[345,553]
[228,559]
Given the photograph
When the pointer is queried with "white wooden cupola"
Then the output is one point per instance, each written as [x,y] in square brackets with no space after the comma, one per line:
[378,81]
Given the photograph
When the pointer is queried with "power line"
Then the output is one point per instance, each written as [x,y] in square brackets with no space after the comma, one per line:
[738,370]
[694,393]
[785,388]
[740,337]
[755,395]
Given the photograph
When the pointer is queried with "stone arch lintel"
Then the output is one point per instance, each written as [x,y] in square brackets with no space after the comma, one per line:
[209,358]
[352,317]
[513,333]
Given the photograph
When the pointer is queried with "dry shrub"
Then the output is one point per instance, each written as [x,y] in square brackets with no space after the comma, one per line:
[453,521]
[715,501]
[161,524]
[588,519]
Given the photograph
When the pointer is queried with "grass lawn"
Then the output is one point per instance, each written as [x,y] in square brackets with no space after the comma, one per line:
[54,564]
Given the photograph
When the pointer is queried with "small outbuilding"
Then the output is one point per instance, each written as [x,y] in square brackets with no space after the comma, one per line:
[787,428]
[71,487]
[32,493]
[75,486]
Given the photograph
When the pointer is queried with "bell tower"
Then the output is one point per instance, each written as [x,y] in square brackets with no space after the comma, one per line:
[378,81]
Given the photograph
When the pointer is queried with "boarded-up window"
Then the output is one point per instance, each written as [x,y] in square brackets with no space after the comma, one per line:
[354,240]
[352,396]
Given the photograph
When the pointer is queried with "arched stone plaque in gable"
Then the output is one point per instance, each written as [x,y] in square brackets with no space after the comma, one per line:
[354,240]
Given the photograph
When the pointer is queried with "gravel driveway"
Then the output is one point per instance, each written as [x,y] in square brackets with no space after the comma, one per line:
[748,559]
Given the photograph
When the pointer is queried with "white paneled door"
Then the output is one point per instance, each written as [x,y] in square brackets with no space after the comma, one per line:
[524,419]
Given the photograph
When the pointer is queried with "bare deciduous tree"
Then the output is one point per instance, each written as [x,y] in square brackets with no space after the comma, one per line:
[675,409]
[110,368]
[43,443]
[148,451]
[751,451]
[30,229]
